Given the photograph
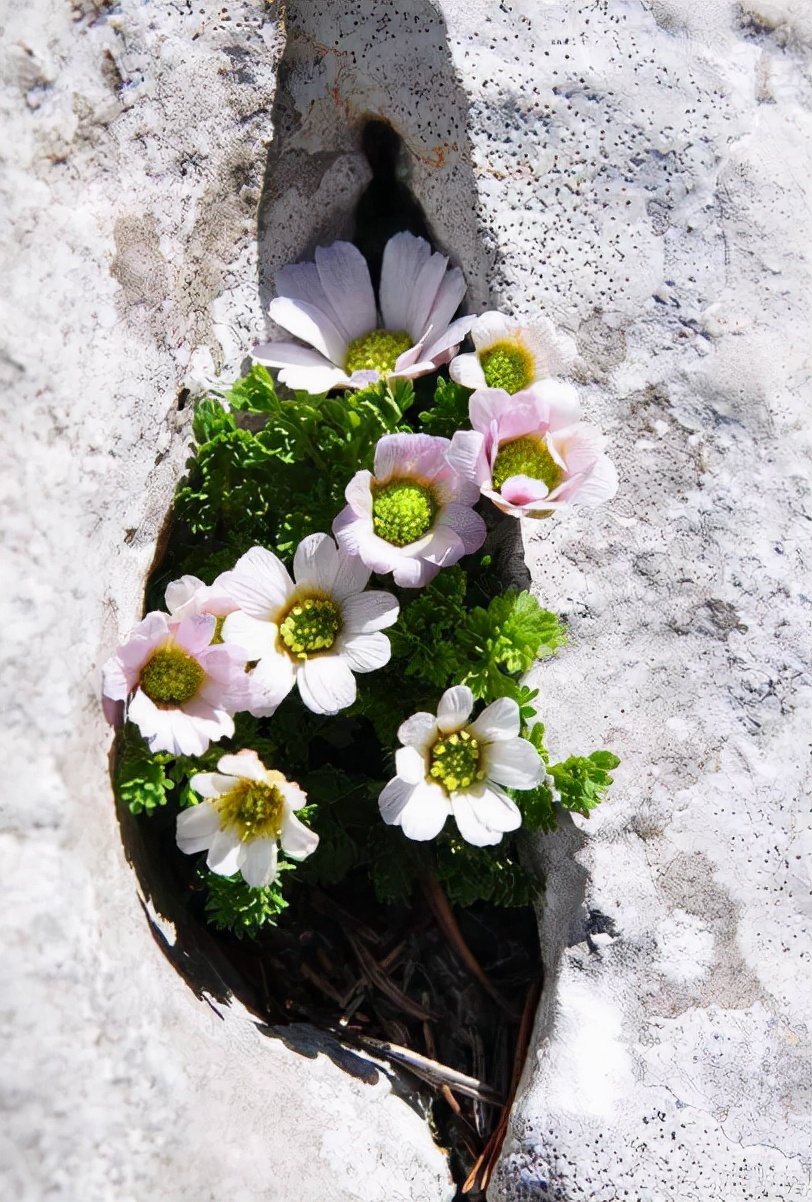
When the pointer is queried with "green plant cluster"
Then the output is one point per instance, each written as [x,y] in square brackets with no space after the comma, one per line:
[269,470]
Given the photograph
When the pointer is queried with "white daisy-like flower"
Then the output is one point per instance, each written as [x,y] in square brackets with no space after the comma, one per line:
[330,305]
[529,453]
[450,765]
[412,514]
[178,687]
[188,596]
[313,631]
[511,355]
[246,815]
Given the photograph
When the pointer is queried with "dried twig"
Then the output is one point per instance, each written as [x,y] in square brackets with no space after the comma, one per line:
[375,976]
[431,1071]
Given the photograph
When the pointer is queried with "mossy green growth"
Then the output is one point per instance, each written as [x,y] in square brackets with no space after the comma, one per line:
[377,351]
[402,511]
[527,456]
[311,625]
[455,761]
[171,677]
[507,365]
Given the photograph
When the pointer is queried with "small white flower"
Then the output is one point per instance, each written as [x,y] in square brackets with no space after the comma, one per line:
[179,688]
[330,304]
[313,633]
[450,765]
[412,515]
[511,355]
[188,596]
[247,813]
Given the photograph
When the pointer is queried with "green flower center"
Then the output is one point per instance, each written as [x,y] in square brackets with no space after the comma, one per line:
[252,808]
[312,624]
[377,351]
[507,365]
[171,677]
[527,456]
[454,761]
[402,511]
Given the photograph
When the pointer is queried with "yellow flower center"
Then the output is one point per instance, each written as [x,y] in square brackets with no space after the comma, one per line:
[254,809]
[507,365]
[454,761]
[171,676]
[402,511]
[377,351]
[312,624]
[527,456]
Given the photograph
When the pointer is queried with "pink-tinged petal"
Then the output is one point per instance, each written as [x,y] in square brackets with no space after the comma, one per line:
[408,360]
[113,711]
[246,765]
[297,840]
[208,718]
[365,612]
[498,721]
[315,380]
[195,634]
[258,862]
[421,368]
[224,853]
[553,352]
[467,370]
[211,784]
[493,327]
[424,295]
[116,683]
[449,296]
[455,708]
[295,798]
[419,731]
[352,576]
[601,485]
[466,456]
[302,282]
[557,403]
[290,354]
[316,562]
[442,347]
[362,379]
[256,638]
[356,537]
[358,494]
[271,681]
[260,584]
[223,662]
[515,423]
[425,814]
[312,325]
[364,652]
[393,799]
[514,763]
[524,490]
[196,827]
[403,259]
[180,592]
[410,765]
[414,573]
[344,276]
[469,526]
[409,455]
[469,825]
[326,684]
[444,546]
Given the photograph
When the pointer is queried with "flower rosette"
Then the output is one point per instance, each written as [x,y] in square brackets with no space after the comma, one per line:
[530,454]
[246,815]
[451,765]
[313,631]
[330,305]
[411,515]
[511,354]
[179,688]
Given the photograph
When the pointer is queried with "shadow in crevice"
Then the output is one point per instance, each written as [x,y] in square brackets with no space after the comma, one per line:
[350,72]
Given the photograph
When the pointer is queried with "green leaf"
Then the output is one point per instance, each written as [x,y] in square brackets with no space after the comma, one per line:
[141,781]
[449,412]
[232,905]
[254,393]
[582,780]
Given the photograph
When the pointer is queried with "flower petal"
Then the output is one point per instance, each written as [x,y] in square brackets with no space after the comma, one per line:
[467,370]
[447,301]
[424,295]
[425,813]
[467,456]
[441,348]
[195,634]
[270,682]
[224,853]
[372,610]
[312,325]
[257,638]
[297,840]
[259,583]
[290,354]
[480,815]
[455,708]
[410,765]
[344,276]
[196,827]
[403,259]
[557,402]
[180,592]
[352,576]
[316,562]
[258,865]
[211,784]
[326,684]
[365,652]
[246,765]
[393,799]
[418,731]
[514,763]
[498,721]
[469,526]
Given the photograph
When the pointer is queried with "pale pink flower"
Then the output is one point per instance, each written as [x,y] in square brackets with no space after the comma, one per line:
[314,632]
[451,765]
[246,815]
[530,454]
[512,355]
[330,305]
[177,687]
[412,514]
[188,596]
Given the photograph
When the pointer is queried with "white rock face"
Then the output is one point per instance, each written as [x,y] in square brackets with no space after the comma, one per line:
[639,172]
